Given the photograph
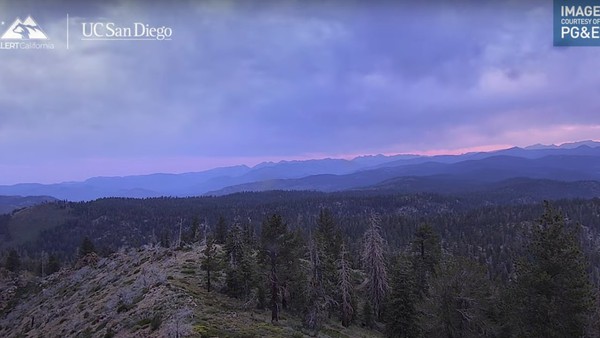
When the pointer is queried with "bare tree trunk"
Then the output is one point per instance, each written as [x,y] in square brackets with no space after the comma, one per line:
[284,296]
[208,280]
[274,292]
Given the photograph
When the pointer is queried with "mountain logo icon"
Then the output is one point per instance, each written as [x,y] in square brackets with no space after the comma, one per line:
[24,30]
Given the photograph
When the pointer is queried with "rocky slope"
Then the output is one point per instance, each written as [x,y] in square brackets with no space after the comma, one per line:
[148,292]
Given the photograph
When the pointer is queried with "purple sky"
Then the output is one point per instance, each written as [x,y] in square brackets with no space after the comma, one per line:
[244,82]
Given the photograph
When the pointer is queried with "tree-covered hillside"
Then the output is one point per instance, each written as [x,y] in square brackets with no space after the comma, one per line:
[401,265]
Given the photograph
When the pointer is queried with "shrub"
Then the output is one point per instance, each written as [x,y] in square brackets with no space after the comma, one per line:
[155,322]
[109,333]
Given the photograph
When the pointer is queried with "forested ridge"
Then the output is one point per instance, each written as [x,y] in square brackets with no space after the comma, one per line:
[403,265]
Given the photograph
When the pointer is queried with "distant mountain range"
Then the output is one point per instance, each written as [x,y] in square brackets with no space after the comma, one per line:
[572,145]
[479,171]
[466,175]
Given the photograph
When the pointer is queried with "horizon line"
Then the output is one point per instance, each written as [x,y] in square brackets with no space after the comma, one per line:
[317,157]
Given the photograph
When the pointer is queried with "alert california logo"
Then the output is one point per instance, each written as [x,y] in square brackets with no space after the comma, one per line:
[24,34]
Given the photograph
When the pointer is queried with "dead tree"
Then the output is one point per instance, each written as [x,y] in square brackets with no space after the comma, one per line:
[374,264]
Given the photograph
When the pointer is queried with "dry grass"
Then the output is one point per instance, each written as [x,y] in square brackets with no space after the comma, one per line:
[150,292]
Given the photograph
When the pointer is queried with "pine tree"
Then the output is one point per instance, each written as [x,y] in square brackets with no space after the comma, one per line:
[459,303]
[249,234]
[346,288]
[374,265]
[221,231]
[261,297]
[87,247]
[401,313]
[209,262]
[594,322]
[165,239]
[328,233]
[318,301]
[273,236]
[180,239]
[367,312]
[279,257]
[294,273]
[235,245]
[13,261]
[427,253]
[551,294]
[241,267]
[53,264]
[194,230]
[328,242]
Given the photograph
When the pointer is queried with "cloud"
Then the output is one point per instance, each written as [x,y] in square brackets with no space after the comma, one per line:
[286,80]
